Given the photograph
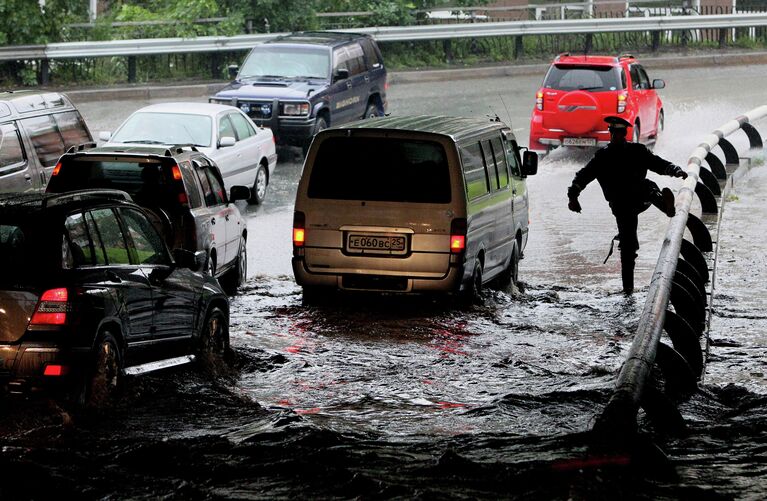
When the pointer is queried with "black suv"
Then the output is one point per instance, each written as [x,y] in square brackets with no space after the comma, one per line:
[301,83]
[90,292]
[184,192]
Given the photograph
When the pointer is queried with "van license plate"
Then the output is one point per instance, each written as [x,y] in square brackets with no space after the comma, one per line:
[579,141]
[377,243]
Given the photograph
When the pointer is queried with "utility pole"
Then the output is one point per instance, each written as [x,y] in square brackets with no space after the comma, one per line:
[93,10]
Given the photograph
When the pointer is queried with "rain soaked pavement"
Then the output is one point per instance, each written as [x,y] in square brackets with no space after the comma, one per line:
[390,397]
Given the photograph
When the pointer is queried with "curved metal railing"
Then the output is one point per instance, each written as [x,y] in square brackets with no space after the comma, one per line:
[654,373]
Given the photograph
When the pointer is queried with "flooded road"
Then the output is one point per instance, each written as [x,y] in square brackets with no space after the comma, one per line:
[381,397]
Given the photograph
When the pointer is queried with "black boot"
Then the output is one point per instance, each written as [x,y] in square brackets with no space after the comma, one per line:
[663,200]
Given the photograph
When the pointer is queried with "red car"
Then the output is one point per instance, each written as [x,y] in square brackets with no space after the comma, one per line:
[580,91]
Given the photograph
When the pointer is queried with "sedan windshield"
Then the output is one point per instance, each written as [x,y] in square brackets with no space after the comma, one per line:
[274,61]
[165,128]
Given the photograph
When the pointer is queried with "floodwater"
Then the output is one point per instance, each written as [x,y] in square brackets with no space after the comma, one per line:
[387,397]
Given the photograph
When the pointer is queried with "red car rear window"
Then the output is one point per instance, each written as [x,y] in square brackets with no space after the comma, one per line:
[589,78]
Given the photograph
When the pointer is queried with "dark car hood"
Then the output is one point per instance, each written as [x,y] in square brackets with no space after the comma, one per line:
[280,89]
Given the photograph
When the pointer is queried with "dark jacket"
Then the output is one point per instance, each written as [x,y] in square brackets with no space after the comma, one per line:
[620,169]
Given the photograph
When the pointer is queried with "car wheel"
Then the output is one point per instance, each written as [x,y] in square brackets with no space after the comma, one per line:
[661,122]
[259,186]
[320,125]
[473,289]
[637,133]
[105,377]
[510,275]
[236,276]
[372,111]
[213,343]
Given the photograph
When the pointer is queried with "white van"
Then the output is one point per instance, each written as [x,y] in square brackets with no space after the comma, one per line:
[411,204]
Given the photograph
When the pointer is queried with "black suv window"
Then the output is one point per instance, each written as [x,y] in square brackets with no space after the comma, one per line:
[211,187]
[147,246]
[591,78]
[350,57]
[111,237]
[79,250]
[374,61]
[400,171]
[11,152]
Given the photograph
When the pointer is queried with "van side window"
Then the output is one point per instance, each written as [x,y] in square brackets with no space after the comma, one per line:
[511,158]
[111,235]
[11,153]
[474,172]
[45,137]
[72,128]
[490,166]
[500,162]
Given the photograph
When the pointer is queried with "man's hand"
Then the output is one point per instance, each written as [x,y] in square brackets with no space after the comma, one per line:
[680,172]
[574,205]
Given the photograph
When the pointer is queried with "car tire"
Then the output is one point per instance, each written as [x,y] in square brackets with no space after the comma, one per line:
[510,274]
[237,276]
[371,111]
[661,122]
[213,339]
[319,125]
[636,134]
[471,294]
[104,378]
[259,186]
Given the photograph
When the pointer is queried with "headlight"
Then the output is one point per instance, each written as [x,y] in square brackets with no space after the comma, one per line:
[295,109]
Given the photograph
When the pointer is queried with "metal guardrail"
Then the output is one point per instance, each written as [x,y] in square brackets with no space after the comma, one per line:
[679,280]
[385,34]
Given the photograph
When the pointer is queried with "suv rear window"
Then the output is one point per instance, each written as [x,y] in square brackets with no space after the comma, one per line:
[380,169]
[140,179]
[24,256]
[590,78]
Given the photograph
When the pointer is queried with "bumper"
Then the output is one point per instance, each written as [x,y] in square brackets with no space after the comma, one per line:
[544,139]
[23,367]
[450,282]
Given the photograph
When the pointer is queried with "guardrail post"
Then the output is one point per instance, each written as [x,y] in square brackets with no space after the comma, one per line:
[589,43]
[656,41]
[519,47]
[45,72]
[722,38]
[447,47]
[215,65]
[132,69]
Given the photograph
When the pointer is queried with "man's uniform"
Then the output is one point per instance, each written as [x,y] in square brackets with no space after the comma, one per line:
[621,170]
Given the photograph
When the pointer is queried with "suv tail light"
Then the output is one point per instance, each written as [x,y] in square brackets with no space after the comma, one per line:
[621,102]
[56,169]
[539,101]
[458,236]
[299,230]
[52,308]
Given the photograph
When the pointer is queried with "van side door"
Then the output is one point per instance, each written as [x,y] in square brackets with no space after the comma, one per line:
[505,223]
[479,221]
[16,172]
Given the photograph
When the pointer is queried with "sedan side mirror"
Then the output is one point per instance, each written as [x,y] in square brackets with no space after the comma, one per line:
[341,74]
[239,193]
[233,69]
[529,163]
[226,141]
[105,135]
[658,84]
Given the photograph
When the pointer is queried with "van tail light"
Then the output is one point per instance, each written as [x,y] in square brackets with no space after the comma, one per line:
[621,102]
[458,236]
[52,308]
[539,101]
[299,230]
[56,169]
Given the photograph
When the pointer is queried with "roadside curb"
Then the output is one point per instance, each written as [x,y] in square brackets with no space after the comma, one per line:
[416,76]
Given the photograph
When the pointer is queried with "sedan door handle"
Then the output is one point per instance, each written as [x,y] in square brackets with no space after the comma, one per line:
[27,177]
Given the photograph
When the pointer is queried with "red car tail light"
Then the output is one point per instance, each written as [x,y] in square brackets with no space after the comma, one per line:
[52,308]
[458,236]
[539,101]
[55,370]
[621,102]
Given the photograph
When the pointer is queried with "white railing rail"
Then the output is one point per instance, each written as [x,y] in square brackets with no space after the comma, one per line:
[385,34]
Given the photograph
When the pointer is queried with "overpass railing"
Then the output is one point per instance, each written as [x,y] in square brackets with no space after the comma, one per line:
[215,44]
[656,375]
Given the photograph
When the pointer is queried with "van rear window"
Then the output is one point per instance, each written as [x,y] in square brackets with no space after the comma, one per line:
[381,169]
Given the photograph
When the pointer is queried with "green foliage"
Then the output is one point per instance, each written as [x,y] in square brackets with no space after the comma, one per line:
[24,22]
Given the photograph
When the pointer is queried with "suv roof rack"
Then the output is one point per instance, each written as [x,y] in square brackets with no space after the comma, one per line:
[337,35]
[179,148]
[626,56]
[52,200]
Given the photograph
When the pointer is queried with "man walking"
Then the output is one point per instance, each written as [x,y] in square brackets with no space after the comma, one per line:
[621,170]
